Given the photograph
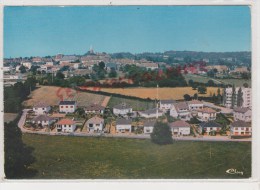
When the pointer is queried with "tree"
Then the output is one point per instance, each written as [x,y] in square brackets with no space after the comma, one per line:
[22,69]
[211,83]
[161,134]
[60,75]
[219,98]
[202,90]
[187,97]
[18,156]
[245,85]
[101,65]
[233,98]
[239,97]
[191,82]
[195,96]
[224,98]
[112,73]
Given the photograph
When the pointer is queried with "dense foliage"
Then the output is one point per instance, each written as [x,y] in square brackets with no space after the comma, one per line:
[161,134]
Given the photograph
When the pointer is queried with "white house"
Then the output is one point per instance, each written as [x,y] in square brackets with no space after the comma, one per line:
[180,110]
[7,68]
[151,113]
[41,108]
[66,125]
[122,109]
[95,124]
[44,120]
[166,105]
[195,105]
[94,108]
[67,106]
[180,128]
[207,114]
[123,125]
[148,126]
[240,128]
[27,64]
[207,127]
[243,114]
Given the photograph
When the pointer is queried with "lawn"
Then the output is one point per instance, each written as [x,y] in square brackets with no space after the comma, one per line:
[9,117]
[137,105]
[64,157]
[52,95]
[163,93]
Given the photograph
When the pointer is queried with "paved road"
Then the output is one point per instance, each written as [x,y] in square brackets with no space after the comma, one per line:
[22,119]
[223,109]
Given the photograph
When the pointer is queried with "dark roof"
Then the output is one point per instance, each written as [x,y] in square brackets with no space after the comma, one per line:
[240,124]
[122,106]
[122,121]
[68,58]
[67,102]
[41,105]
[42,118]
[209,124]
[149,123]
[94,107]
[182,105]
[151,111]
[179,123]
[167,101]
[241,110]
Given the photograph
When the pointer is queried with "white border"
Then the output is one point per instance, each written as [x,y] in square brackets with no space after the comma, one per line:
[252,183]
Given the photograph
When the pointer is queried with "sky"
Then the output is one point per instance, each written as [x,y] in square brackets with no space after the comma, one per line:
[42,31]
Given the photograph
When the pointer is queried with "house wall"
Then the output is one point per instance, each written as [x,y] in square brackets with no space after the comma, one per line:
[153,115]
[195,106]
[122,112]
[165,106]
[67,128]
[206,116]
[96,127]
[43,110]
[122,128]
[242,116]
[67,108]
[240,131]
[180,130]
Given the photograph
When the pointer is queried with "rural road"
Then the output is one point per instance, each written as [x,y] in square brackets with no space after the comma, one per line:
[223,109]
[22,119]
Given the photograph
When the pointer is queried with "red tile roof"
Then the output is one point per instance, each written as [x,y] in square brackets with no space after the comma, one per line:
[66,122]
[207,110]
[179,123]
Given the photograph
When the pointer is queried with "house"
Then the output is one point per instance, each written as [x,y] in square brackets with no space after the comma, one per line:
[94,108]
[41,108]
[95,124]
[166,105]
[207,114]
[246,97]
[123,125]
[66,125]
[181,110]
[122,109]
[180,127]
[148,126]
[195,105]
[44,120]
[27,64]
[151,113]
[242,114]
[240,128]
[207,127]
[111,66]
[67,106]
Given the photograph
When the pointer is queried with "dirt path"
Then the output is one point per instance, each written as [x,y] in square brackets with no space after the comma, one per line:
[105,101]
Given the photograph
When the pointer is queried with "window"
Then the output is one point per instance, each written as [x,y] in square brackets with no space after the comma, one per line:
[236,128]
[242,128]
[61,106]
[71,106]
[67,106]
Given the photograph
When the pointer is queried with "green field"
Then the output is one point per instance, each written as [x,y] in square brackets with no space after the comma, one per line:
[136,104]
[66,157]
[201,79]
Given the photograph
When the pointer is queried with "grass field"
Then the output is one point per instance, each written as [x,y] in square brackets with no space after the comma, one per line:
[201,79]
[163,93]
[65,157]
[136,104]
[52,95]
